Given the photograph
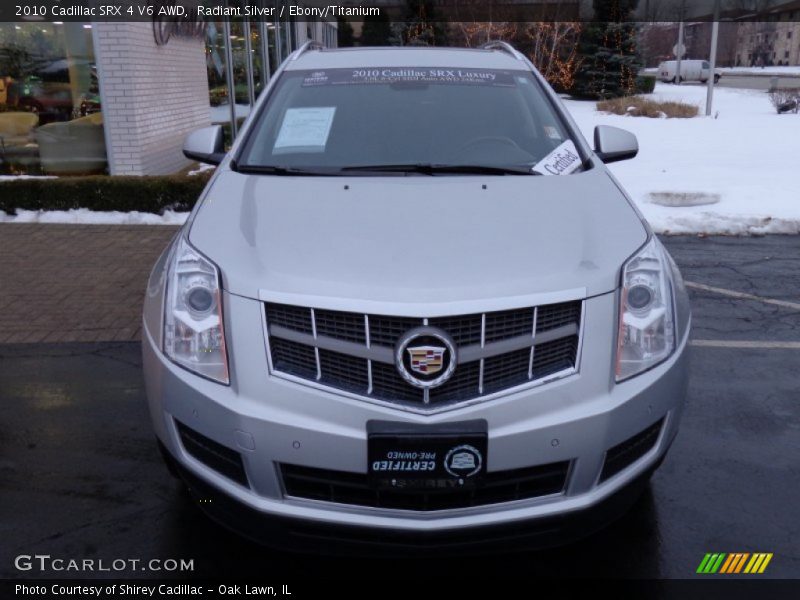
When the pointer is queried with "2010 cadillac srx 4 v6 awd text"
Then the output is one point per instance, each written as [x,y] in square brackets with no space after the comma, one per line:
[413,305]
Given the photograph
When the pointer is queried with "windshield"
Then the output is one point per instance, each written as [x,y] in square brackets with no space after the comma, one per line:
[414,119]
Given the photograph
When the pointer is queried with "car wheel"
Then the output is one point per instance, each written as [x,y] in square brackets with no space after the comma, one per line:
[704,81]
[716,78]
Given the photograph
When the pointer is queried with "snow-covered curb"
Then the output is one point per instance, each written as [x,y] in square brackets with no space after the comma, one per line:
[85,216]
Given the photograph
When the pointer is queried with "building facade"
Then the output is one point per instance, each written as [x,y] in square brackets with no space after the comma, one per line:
[773,41]
[120,97]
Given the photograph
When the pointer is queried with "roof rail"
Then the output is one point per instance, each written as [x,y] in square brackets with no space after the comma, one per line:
[503,47]
[309,45]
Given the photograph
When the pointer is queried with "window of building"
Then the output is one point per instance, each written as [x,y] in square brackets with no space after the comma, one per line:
[51,120]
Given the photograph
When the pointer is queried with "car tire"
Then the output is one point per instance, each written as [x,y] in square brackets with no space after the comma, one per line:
[716,78]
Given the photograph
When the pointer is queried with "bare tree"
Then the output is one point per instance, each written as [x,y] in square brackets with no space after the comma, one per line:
[475,33]
[552,46]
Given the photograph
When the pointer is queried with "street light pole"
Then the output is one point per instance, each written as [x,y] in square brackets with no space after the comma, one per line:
[679,53]
[712,59]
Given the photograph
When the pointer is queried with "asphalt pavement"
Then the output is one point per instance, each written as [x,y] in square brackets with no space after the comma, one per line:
[80,476]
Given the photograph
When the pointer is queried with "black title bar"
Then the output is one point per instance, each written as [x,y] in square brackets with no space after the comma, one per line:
[452,11]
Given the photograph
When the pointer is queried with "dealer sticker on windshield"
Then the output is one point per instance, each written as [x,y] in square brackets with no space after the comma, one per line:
[561,161]
[305,129]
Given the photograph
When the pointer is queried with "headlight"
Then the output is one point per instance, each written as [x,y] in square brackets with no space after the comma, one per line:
[646,315]
[194,335]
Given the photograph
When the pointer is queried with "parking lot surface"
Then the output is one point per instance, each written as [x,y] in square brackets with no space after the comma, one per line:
[80,475]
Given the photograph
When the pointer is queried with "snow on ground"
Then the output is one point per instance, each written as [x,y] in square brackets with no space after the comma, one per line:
[789,71]
[748,155]
[90,217]
[201,169]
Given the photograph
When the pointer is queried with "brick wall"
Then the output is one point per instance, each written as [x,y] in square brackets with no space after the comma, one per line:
[153,96]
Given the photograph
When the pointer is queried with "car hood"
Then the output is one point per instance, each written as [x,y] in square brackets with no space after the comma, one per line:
[336,241]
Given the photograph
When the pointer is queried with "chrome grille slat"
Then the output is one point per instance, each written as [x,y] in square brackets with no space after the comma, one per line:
[483,346]
[316,347]
[369,361]
[354,352]
[533,335]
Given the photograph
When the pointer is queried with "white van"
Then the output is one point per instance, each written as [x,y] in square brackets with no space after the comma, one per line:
[691,70]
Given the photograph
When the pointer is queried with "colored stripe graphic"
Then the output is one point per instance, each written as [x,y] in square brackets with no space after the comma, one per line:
[734,563]
[758,563]
[711,563]
[703,563]
[727,565]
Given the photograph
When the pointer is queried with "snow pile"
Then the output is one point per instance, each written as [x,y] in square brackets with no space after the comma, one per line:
[90,217]
[788,71]
[747,157]
[17,177]
[201,169]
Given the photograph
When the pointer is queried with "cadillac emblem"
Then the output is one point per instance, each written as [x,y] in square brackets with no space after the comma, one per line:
[425,357]
[427,360]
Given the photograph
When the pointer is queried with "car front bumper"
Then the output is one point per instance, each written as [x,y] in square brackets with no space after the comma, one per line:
[271,421]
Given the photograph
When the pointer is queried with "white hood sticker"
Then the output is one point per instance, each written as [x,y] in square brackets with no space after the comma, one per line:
[561,161]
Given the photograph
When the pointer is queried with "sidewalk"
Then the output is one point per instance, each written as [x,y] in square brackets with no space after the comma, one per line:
[75,283]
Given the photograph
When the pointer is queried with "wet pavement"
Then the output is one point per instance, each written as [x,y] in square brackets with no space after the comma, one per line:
[80,475]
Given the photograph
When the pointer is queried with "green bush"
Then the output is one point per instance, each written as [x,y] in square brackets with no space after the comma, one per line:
[144,194]
[645,84]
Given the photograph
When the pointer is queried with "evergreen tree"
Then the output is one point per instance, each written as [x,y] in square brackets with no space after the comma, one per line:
[607,52]
[344,33]
[421,26]
[376,31]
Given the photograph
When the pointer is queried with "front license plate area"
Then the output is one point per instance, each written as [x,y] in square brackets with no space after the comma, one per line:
[408,457]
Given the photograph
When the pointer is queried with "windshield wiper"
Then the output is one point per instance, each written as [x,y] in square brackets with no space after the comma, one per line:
[278,170]
[434,169]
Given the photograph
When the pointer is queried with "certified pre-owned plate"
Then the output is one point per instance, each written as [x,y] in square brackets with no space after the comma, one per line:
[404,456]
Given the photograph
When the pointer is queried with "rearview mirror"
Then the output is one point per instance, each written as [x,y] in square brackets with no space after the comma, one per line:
[205,145]
[612,144]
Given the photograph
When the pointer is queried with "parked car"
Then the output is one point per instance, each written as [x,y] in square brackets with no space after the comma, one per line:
[413,305]
[691,70]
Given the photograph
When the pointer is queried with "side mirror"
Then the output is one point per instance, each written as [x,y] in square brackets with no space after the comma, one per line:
[612,144]
[205,145]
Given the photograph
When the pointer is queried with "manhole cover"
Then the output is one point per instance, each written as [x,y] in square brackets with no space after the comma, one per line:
[678,199]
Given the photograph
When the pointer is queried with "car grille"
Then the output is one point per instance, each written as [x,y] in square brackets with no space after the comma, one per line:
[354,352]
[353,488]
[623,455]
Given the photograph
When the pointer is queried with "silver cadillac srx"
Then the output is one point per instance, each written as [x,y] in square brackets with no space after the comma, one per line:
[413,305]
